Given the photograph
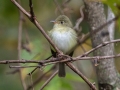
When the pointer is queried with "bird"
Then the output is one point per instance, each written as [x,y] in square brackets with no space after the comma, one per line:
[64,37]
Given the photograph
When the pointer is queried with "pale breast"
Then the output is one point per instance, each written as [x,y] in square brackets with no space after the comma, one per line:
[65,40]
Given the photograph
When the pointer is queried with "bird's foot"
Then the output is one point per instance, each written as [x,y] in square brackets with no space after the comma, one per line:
[61,55]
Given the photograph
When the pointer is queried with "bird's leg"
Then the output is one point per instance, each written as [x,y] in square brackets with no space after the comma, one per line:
[61,55]
[62,72]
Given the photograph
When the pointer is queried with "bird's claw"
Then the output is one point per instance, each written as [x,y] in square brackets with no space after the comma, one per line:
[64,56]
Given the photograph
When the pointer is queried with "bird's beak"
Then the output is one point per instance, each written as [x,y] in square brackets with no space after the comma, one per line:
[53,21]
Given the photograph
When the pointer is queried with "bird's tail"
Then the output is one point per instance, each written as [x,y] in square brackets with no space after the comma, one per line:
[61,72]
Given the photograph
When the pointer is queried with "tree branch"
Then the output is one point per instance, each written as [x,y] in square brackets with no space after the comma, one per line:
[81,75]
[40,78]
[35,22]
[54,74]
[20,45]
[56,60]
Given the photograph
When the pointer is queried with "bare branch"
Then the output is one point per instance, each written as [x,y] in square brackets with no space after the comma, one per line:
[25,66]
[49,80]
[81,75]
[41,77]
[56,60]
[31,81]
[33,71]
[58,6]
[20,45]
[31,11]
[76,27]
[66,2]
[18,61]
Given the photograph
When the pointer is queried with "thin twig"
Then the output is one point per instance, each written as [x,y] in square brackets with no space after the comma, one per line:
[65,2]
[76,27]
[40,78]
[19,45]
[16,61]
[81,75]
[31,81]
[101,45]
[58,6]
[31,11]
[54,74]
[25,45]
[83,48]
[25,66]
[33,70]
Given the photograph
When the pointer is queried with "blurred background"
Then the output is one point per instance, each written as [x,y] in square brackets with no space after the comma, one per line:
[36,47]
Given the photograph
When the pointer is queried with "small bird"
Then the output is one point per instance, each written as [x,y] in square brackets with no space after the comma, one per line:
[64,37]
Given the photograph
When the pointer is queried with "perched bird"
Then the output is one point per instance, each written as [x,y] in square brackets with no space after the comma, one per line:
[64,37]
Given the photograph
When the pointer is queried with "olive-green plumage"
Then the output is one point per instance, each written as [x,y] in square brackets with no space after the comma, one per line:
[64,37]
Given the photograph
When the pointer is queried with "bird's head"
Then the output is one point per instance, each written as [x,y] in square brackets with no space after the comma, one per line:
[63,20]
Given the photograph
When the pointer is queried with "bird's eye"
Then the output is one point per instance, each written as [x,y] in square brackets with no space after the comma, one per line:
[62,22]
